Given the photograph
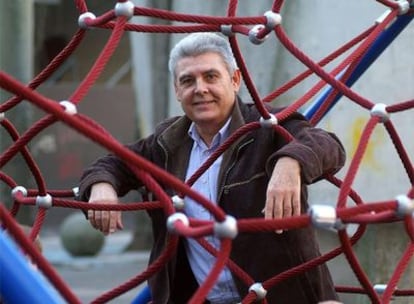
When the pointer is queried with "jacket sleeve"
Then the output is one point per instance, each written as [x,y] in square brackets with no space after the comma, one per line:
[114,170]
[319,152]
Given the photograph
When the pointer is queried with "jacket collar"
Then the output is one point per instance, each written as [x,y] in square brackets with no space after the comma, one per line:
[177,143]
[172,137]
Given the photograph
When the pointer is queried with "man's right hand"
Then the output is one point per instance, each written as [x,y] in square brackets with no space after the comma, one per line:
[105,221]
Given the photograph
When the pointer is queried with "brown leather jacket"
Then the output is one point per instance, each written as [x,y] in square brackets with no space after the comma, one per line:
[243,178]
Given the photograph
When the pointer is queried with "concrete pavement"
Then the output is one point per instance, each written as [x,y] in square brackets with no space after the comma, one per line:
[90,277]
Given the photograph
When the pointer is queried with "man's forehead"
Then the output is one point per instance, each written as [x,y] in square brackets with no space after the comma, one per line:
[200,64]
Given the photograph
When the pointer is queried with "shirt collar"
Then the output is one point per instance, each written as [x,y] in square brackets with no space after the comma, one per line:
[218,139]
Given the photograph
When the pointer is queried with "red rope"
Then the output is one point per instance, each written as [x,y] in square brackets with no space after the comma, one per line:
[100,63]
[144,276]
[356,160]
[363,213]
[399,270]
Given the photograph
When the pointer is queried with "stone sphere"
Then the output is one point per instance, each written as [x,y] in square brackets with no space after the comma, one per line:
[78,236]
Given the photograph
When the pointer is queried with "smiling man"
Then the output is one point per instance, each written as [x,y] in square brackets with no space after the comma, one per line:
[260,175]
[207,92]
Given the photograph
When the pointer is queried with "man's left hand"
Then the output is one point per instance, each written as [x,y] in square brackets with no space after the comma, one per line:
[283,190]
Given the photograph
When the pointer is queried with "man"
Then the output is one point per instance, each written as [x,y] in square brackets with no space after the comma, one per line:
[260,175]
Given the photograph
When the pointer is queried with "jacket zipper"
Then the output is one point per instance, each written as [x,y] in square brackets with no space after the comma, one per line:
[231,167]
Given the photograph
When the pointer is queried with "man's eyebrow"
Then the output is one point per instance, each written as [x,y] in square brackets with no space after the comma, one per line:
[184,76]
[209,71]
[212,70]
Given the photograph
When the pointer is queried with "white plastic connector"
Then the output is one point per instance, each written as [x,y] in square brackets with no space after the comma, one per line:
[405,205]
[324,216]
[258,290]
[273,19]
[44,201]
[2,116]
[380,110]
[125,9]
[253,34]
[82,18]
[403,6]
[227,30]
[75,191]
[226,228]
[178,202]
[178,216]
[380,288]
[270,122]
[70,107]
[17,189]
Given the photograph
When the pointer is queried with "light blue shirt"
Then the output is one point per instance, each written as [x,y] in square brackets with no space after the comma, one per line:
[201,262]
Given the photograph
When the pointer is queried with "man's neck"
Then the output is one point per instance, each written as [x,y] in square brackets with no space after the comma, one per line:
[207,134]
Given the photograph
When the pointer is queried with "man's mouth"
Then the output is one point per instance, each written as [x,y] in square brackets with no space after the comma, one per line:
[203,102]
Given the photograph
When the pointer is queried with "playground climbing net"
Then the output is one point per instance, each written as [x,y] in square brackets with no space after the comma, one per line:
[256,29]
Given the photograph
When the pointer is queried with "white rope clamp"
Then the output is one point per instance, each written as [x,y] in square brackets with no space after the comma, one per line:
[258,290]
[380,289]
[75,191]
[44,201]
[253,34]
[226,228]
[178,202]
[403,6]
[380,110]
[178,216]
[20,189]
[273,19]
[2,116]
[227,30]
[125,9]
[270,122]
[405,205]
[82,20]
[69,107]
[324,216]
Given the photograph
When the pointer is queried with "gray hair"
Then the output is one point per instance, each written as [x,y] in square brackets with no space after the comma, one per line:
[201,43]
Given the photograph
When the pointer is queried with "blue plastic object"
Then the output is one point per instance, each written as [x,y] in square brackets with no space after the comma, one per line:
[19,281]
[143,297]
[376,49]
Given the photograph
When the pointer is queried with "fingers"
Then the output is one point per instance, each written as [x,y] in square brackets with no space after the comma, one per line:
[277,208]
[283,190]
[105,221]
[296,210]
[119,224]
[91,218]
[282,203]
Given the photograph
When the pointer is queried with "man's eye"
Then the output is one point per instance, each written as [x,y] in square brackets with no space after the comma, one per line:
[211,77]
[185,81]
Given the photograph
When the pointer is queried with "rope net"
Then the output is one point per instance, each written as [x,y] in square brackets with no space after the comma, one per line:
[256,29]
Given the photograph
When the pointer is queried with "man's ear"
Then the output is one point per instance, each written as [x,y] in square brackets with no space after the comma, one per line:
[236,80]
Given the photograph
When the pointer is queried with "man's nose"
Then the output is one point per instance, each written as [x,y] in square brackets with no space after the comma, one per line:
[201,86]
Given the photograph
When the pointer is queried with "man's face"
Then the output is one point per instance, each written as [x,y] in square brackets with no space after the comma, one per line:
[206,90]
